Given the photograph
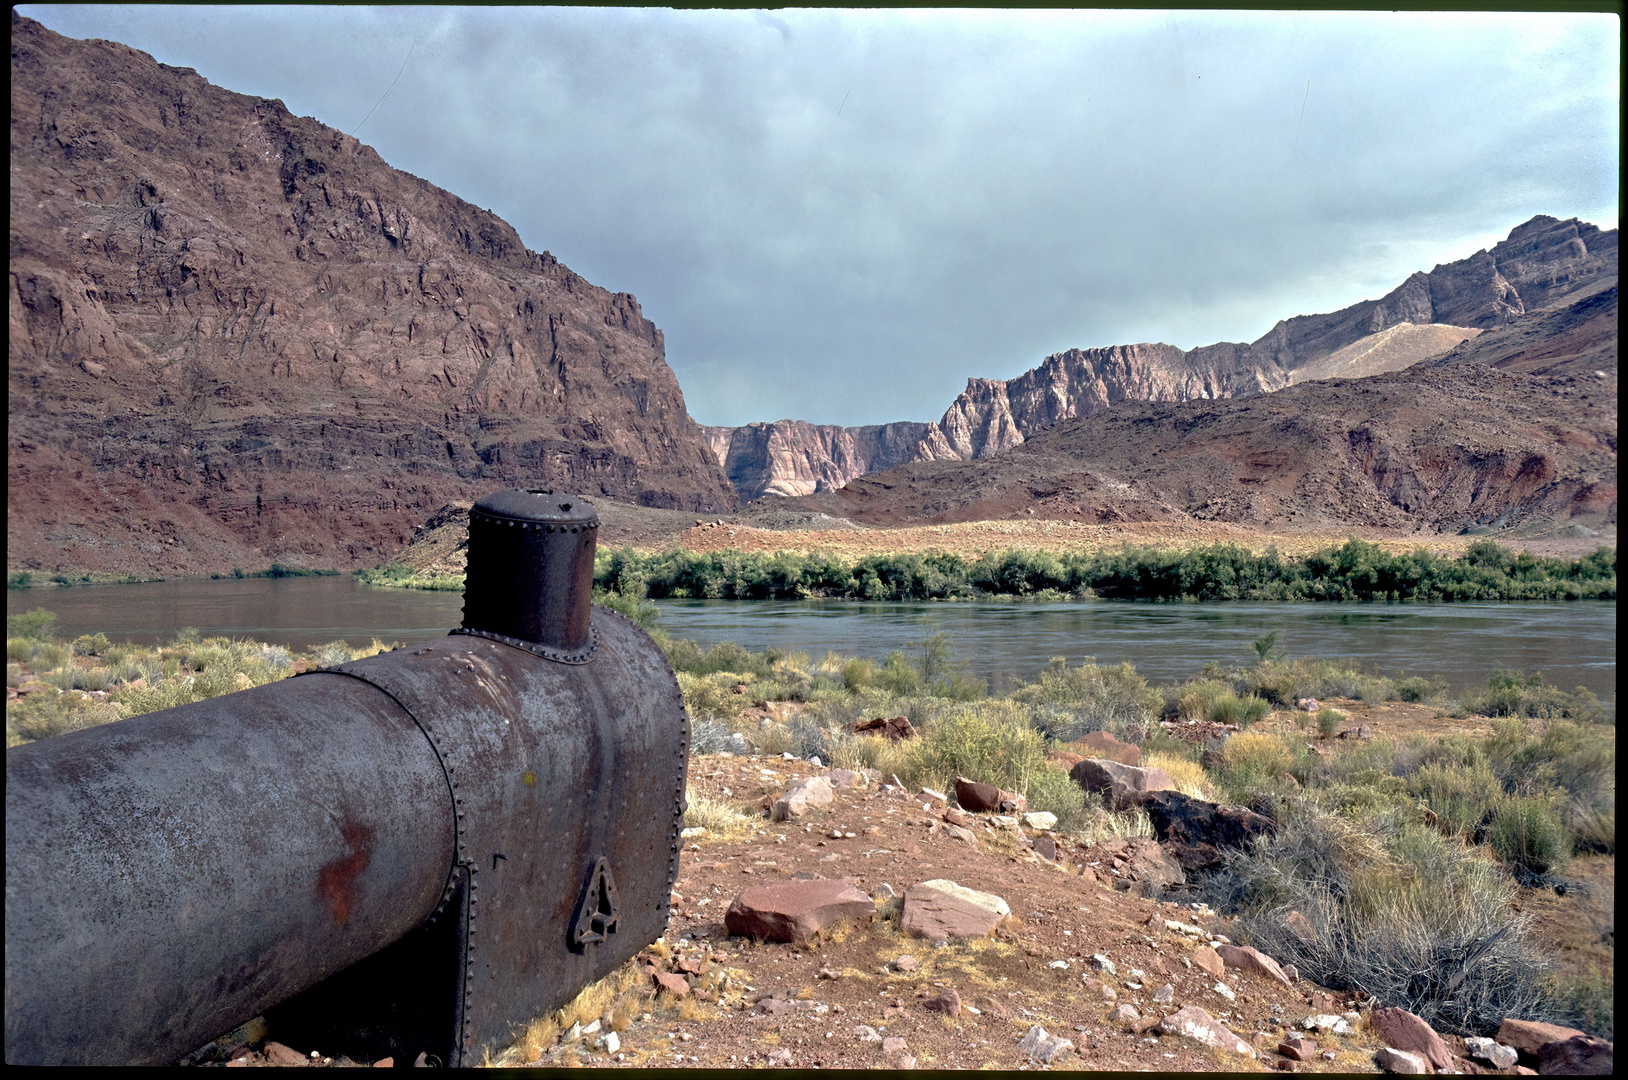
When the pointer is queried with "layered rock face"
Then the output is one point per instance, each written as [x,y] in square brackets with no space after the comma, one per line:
[238,335]
[790,457]
[1539,264]
[1513,431]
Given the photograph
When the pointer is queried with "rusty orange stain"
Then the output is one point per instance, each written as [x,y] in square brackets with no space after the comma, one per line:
[336,880]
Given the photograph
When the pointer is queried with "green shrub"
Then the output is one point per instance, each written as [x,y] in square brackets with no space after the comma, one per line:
[1092,697]
[37,624]
[857,674]
[1329,720]
[686,655]
[43,715]
[1230,709]
[1460,795]
[636,608]
[986,741]
[864,752]
[712,696]
[1252,758]
[1275,682]
[332,654]
[1514,694]
[1526,832]
[1416,688]
[1053,791]
[51,654]
[1195,700]
[91,645]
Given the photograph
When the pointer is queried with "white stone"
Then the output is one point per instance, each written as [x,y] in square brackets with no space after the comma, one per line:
[1040,819]
[1491,1051]
[1326,1022]
[1393,1060]
[1043,1047]
[987,901]
[1225,991]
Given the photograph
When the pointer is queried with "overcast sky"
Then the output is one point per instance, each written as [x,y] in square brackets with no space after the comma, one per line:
[838,216]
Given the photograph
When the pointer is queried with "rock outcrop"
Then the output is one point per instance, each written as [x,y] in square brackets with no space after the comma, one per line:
[790,457]
[239,336]
[1540,263]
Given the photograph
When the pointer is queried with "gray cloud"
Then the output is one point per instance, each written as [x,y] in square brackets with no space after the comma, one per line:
[839,216]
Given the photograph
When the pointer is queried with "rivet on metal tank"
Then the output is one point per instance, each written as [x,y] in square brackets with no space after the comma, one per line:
[530,574]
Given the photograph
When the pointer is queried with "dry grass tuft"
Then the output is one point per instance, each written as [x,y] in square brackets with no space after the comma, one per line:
[1188,775]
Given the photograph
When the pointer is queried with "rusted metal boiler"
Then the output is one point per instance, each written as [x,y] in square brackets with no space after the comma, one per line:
[413,853]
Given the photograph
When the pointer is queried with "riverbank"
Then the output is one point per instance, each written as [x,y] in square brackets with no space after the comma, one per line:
[1387,801]
[1355,570]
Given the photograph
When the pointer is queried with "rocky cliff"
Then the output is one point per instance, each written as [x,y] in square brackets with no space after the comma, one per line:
[1538,265]
[1514,431]
[790,457]
[238,335]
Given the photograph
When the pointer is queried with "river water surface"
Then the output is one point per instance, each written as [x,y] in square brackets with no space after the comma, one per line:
[1572,644]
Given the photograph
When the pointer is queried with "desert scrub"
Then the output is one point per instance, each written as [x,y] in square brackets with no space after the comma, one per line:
[1460,795]
[43,715]
[1586,1000]
[988,741]
[687,656]
[721,819]
[1527,832]
[1195,700]
[37,625]
[1570,765]
[1415,688]
[1188,775]
[1514,694]
[1390,909]
[1053,791]
[1242,712]
[858,752]
[1328,721]
[1092,697]
[713,696]
[1250,758]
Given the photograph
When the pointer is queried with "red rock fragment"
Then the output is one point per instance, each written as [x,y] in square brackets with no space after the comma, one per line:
[1405,1031]
[795,910]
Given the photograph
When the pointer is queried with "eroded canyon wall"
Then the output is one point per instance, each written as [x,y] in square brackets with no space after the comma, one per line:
[238,336]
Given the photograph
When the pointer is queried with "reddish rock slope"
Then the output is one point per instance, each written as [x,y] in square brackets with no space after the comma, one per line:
[238,335]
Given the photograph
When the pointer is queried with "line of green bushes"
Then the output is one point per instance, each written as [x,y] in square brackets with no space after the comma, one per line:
[276,570]
[1356,570]
[28,579]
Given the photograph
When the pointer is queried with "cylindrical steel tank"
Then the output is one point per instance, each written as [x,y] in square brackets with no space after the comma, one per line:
[171,876]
